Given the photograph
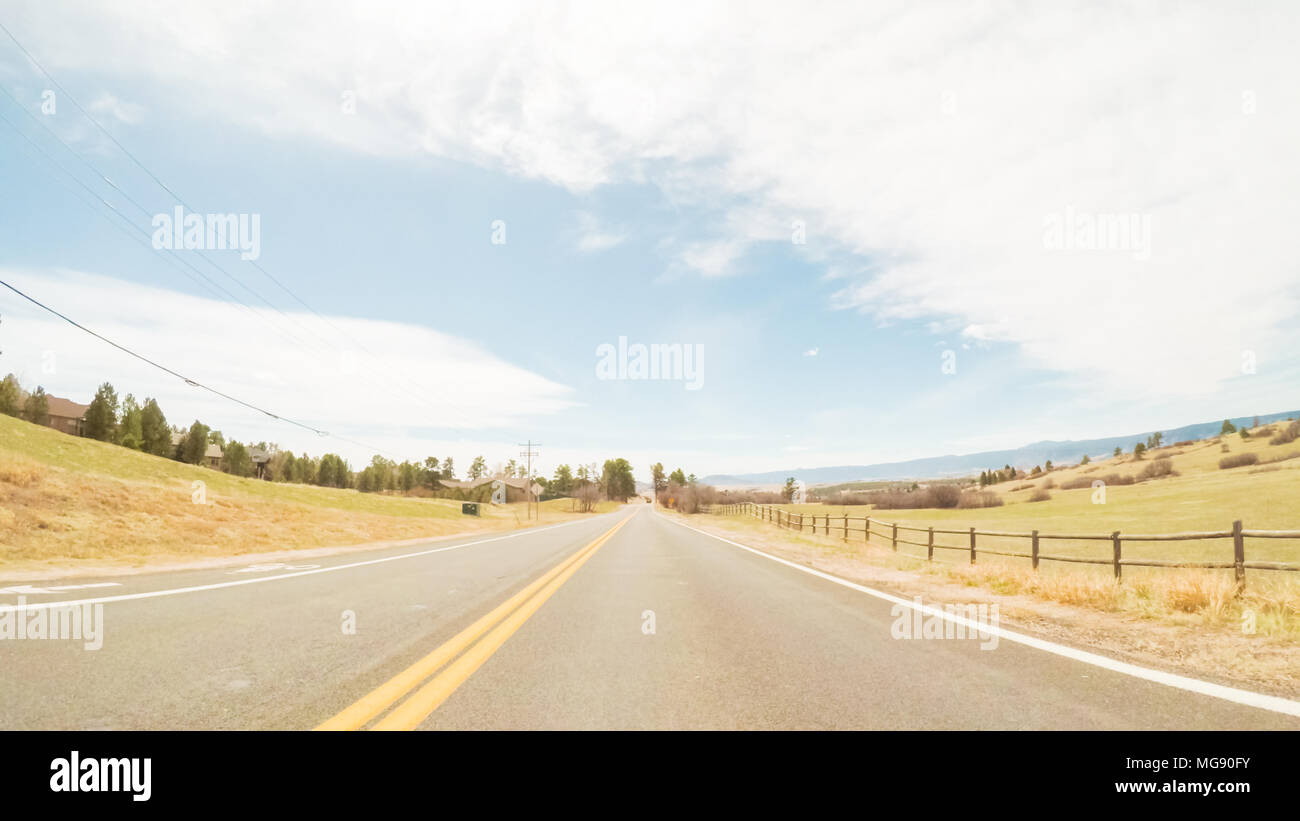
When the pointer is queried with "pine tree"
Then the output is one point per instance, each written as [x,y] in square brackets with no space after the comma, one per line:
[37,407]
[478,468]
[156,436]
[101,416]
[11,396]
[195,444]
[130,429]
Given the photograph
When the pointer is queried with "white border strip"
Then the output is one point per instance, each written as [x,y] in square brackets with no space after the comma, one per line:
[1263,702]
[175,591]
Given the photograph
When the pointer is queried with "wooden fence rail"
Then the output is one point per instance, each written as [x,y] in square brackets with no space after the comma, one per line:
[889,530]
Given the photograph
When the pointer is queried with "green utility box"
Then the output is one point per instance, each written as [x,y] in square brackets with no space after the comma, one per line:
[469,508]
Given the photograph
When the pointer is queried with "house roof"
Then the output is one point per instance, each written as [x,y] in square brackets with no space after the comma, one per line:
[66,407]
[521,484]
[213,452]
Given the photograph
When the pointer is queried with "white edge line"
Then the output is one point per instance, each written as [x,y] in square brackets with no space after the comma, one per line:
[175,591]
[1251,699]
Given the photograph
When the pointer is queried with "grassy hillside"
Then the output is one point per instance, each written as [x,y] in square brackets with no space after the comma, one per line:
[1202,497]
[65,499]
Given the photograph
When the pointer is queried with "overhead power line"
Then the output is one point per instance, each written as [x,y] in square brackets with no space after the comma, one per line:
[187,380]
[395,381]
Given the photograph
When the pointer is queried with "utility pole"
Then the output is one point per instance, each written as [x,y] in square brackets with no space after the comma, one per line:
[528,473]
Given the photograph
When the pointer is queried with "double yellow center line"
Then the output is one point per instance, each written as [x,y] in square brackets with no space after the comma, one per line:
[469,648]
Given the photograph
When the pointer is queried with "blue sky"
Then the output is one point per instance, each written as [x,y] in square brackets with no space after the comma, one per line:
[650,190]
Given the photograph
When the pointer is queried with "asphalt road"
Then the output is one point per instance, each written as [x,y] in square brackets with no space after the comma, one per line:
[444,639]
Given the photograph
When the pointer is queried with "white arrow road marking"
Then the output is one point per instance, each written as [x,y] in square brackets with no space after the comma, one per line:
[28,590]
[266,568]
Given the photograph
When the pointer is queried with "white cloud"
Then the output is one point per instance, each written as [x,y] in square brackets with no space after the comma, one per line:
[932,140]
[712,259]
[593,237]
[119,110]
[812,352]
[408,381]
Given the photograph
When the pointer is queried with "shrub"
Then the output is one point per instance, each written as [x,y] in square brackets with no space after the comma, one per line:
[1050,483]
[1238,460]
[980,498]
[1184,443]
[1040,495]
[945,495]
[934,496]
[589,495]
[1109,479]
[1158,469]
[1287,435]
[850,498]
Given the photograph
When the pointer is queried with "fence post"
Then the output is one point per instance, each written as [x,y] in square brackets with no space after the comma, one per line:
[972,545]
[846,527]
[894,538]
[1114,538]
[866,531]
[1034,549]
[1239,555]
[929,547]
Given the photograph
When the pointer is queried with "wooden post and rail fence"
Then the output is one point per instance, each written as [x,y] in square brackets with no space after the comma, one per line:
[889,530]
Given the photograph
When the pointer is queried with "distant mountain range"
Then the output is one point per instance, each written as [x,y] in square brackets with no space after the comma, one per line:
[933,467]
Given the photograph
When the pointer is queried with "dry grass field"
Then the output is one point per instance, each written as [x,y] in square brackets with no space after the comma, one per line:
[66,500]
[1201,497]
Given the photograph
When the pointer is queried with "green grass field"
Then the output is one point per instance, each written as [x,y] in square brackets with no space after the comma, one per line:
[68,499]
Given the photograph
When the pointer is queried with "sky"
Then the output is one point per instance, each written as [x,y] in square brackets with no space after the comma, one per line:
[882,231]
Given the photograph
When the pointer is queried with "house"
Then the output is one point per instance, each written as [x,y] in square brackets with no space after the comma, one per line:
[517,490]
[260,459]
[211,456]
[67,416]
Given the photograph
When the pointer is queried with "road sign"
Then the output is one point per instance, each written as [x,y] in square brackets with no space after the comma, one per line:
[469,508]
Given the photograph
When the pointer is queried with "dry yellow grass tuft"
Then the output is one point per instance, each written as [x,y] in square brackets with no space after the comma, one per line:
[18,471]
